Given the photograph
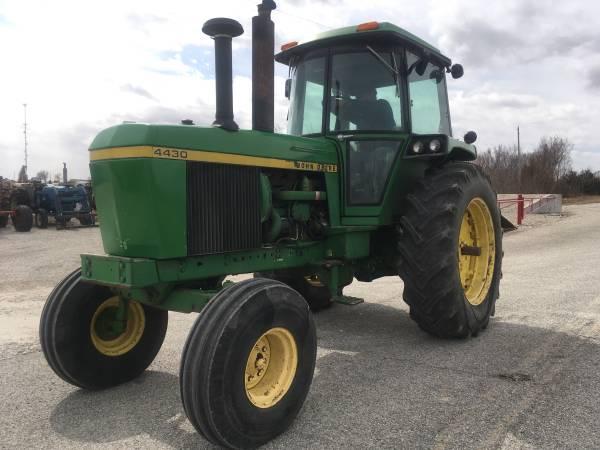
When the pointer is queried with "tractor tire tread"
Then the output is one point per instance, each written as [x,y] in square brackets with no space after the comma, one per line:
[426,247]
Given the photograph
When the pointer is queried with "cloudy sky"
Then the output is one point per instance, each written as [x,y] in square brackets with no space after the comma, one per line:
[82,66]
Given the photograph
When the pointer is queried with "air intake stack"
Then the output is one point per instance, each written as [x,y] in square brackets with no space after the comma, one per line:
[263,68]
[222,31]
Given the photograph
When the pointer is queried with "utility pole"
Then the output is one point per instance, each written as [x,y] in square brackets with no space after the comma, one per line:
[518,143]
[519,157]
[25,132]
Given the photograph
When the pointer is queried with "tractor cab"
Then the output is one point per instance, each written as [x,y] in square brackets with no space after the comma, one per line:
[379,92]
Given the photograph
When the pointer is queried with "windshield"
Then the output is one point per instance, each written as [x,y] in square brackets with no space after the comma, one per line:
[364,92]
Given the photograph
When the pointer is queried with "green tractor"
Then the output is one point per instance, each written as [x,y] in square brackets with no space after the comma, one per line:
[367,183]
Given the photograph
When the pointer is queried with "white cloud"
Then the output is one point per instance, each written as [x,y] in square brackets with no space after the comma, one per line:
[83,66]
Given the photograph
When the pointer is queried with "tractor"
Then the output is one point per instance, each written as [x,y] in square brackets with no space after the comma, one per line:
[63,202]
[15,202]
[368,182]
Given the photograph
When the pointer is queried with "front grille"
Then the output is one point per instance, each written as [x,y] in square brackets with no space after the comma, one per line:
[223,208]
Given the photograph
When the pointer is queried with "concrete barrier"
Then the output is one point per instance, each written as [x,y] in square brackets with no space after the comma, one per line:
[548,204]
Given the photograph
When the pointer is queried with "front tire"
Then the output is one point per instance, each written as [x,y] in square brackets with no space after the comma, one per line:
[248,363]
[77,342]
[450,251]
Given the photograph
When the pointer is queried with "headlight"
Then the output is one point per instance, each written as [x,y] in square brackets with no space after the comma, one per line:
[418,147]
[435,145]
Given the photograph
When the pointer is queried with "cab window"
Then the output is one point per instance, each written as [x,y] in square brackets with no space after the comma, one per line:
[306,107]
[428,98]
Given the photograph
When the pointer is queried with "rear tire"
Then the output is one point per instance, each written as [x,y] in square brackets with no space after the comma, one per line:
[83,357]
[23,218]
[314,292]
[450,217]
[254,325]
[3,221]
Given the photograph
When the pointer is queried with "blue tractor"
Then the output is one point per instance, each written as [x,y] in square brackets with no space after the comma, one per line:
[63,203]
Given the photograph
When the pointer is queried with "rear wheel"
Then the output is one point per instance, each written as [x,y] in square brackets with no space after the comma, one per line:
[81,342]
[23,218]
[316,294]
[450,251]
[3,221]
[248,363]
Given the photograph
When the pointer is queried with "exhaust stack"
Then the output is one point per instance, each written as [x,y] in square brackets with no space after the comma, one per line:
[222,31]
[263,68]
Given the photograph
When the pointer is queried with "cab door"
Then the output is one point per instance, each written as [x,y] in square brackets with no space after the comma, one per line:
[366,117]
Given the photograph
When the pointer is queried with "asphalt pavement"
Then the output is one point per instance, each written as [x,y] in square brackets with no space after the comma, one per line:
[531,380]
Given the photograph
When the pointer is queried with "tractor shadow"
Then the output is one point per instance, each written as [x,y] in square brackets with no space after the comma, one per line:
[382,383]
[150,405]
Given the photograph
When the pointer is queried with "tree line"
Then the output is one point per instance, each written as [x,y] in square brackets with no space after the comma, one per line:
[547,169]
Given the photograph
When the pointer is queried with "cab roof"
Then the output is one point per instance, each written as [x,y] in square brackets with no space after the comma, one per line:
[377,31]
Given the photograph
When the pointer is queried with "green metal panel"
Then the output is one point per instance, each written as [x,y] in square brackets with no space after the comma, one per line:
[119,271]
[142,206]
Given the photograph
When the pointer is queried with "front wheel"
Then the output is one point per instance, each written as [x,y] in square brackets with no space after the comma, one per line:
[450,251]
[81,343]
[248,363]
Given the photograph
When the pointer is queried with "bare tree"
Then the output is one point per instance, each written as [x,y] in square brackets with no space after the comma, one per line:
[502,166]
[43,175]
[539,171]
[546,165]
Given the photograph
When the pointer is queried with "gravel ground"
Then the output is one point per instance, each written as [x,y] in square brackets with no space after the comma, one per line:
[532,380]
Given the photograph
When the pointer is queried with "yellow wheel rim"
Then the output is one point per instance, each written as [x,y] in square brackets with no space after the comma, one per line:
[476,251]
[111,345]
[271,367]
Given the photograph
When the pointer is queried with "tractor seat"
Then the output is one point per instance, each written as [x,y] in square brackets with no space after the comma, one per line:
[374,115]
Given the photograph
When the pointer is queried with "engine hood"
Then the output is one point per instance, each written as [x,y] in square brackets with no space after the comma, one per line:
[185,142]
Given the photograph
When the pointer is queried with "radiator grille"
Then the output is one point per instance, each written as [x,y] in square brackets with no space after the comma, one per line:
[223,208]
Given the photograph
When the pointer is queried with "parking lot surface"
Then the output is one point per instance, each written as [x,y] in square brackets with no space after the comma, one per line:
[531,380]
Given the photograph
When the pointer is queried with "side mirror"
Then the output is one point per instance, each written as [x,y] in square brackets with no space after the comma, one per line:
[457,71]
[470,137]
[288,88]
